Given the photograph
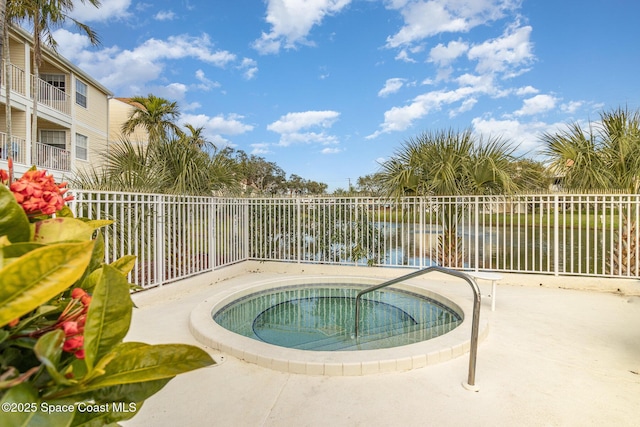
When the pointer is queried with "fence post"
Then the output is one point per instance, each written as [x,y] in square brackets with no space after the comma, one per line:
[159,240]
[212,233]
[556,236]
[477,233]
[422,232]
[298,230]
[245,231]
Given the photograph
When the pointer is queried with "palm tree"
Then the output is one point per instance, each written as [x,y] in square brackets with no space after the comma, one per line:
[5,22]
[450,163]
[45,15]
[168,166]
[157,116]
[604,157]
[3,10]
[196,138]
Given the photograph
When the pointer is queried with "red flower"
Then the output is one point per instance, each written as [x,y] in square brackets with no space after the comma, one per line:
[38,193]
[73,344]
[78,293]
[86,300]
[70,328]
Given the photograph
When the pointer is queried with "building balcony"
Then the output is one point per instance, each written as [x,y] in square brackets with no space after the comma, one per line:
[43,155]
[48,95]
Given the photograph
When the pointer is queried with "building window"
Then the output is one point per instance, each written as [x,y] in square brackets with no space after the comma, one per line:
[81,94]
[55,138]
[55,80]
[81,147]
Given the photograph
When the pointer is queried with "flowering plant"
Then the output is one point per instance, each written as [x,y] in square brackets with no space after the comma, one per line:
[64,315]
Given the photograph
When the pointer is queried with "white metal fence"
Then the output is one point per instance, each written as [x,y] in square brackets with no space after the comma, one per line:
[177,236]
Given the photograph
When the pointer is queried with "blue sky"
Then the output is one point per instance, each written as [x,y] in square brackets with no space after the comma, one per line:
[328,89]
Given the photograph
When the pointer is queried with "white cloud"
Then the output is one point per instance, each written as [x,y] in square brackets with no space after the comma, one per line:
[424,19]
[249,68]
[504,54]
[132,71]
[109,10]
[292,20]
[537,104]
[205,83]
[231,124]
[217,126]
[330,150]
[297,127]
[403,55]
[259,149]
[572,106]
[527,90]
[391,86]
[444,55]
[401,118]
[525,134]
[293,122]
[466,105]
[164,15]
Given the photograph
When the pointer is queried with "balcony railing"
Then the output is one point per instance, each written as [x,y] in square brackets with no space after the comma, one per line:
[52,96]
[50,157]
[18,80]
[18,148]
[48,94]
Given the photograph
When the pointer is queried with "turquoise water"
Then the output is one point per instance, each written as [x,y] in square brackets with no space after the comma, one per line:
[322,318]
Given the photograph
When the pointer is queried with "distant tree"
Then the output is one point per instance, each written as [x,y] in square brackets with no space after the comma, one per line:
[371,185]
[341,192]
[316,188]
[295,185]
[531,175]
[259,175]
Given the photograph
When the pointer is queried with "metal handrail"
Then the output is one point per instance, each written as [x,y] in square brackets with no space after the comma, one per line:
[475,323]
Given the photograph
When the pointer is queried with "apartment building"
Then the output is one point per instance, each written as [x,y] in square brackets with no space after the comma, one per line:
[72,114]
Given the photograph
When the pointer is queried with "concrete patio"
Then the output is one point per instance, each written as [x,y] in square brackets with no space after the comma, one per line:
[558,353]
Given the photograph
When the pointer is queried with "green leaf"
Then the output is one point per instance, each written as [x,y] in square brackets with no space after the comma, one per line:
[103,418]
[13,221]
[56,230]
[152,362]
[99,223]
[109,314]
[18,249]
[40,275]
[65,212]
[31,414]
[90,282]
[133,363]
[23,394]
[97,259]
[48,350]
[137,392]
[124,264]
